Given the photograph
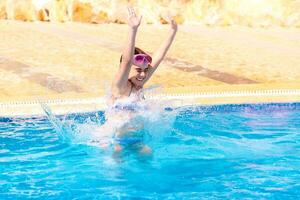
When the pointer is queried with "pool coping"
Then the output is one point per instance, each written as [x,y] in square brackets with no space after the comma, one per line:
[174,96]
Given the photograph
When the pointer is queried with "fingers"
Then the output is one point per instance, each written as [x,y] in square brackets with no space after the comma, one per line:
[173,22]
[169,17]
[133,20]
[131,11]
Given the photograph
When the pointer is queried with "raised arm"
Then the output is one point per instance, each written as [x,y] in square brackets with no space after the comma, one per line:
[159,55]
[120,81]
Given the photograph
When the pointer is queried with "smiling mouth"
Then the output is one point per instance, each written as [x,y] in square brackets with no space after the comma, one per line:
[139,79]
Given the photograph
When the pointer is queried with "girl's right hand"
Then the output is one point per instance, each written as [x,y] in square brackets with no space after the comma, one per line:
[133,21]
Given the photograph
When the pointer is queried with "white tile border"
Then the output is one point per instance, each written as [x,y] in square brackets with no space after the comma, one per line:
[244,93]
[99,100]
[64,106]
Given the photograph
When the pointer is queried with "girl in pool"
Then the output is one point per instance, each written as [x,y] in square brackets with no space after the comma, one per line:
[136,68]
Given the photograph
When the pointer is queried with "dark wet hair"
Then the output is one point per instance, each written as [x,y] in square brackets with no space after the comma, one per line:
[136,51]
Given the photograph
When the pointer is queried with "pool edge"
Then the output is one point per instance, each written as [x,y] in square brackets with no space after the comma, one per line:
[176,97]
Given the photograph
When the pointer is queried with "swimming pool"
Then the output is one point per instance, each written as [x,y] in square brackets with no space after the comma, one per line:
[227,151]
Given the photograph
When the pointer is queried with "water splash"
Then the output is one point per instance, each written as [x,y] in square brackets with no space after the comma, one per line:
[94,130]
[64,131]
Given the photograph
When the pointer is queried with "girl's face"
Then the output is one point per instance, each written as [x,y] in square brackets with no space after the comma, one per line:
[138,75]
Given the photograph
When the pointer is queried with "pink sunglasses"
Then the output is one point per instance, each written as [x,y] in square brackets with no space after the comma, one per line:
[140,59]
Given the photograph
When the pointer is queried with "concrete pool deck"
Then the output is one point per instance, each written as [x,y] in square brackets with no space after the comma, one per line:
[73,62]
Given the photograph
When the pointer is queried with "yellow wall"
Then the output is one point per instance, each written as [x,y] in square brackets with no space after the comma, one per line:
[209,12]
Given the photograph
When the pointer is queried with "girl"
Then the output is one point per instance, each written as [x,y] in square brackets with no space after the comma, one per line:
[131,79]
[136,68]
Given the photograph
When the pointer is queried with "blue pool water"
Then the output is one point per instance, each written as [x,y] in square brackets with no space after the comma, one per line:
[229,151]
